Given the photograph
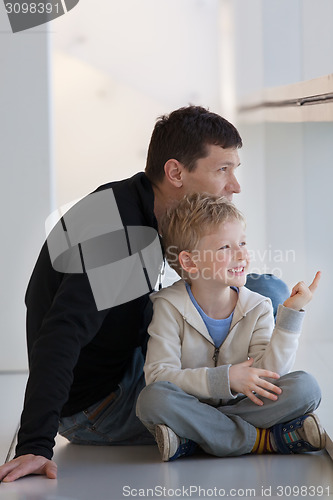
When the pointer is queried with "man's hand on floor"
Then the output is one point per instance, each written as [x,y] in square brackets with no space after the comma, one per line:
[25,465]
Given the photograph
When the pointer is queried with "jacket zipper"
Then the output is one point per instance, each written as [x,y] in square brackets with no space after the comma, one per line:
[216,355]
[216,349]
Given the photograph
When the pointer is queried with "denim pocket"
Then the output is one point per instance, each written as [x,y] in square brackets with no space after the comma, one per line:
[84,426]
[97,412]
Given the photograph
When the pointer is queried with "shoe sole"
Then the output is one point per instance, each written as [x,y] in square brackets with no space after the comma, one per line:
[163,443]
[314,432]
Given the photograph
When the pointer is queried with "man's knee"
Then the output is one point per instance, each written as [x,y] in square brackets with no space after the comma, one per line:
[303,390]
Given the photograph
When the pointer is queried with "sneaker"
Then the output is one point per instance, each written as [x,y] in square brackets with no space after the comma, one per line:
[299,435]
[172,446]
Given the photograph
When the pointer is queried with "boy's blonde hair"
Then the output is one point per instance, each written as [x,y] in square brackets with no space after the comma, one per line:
[195,216]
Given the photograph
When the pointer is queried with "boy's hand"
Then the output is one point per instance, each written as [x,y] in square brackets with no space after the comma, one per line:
[27,464]
[301,294]
[246,380]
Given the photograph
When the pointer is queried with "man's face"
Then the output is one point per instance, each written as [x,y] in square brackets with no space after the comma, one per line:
[214,174]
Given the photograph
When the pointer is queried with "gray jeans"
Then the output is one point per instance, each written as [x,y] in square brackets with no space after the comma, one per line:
[228,430]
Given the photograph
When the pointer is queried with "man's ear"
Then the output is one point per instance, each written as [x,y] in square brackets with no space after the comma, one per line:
[187,263]
[173,172]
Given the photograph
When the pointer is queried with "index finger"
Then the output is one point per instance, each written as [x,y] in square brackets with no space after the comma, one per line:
[315,282]
[6,469]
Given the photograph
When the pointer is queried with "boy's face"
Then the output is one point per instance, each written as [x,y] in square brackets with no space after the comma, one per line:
[222,256]
[214,174]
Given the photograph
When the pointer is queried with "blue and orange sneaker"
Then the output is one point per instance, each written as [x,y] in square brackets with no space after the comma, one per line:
[172,446]
[300,435]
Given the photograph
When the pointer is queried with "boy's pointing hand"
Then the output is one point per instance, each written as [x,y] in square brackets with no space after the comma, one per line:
[302,294]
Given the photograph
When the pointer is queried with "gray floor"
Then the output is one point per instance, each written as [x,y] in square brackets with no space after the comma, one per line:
[101,473]
[88,472]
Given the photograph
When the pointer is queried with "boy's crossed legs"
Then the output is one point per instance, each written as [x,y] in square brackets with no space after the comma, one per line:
[229,430]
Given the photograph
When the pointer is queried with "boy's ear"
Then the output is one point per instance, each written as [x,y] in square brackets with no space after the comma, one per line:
[173,172]
[187,263]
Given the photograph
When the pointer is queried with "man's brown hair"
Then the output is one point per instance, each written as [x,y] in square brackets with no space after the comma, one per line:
[184,135]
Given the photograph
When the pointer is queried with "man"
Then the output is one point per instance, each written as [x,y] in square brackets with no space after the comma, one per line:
[85,358]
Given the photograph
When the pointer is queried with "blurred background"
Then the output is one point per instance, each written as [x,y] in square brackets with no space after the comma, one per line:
[80,96]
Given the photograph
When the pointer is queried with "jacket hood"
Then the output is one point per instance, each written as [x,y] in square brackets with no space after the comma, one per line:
[247,300]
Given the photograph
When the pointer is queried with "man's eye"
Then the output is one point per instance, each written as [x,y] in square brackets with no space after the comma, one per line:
[223,169]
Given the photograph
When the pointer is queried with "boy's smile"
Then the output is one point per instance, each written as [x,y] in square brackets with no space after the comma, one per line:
[239,271]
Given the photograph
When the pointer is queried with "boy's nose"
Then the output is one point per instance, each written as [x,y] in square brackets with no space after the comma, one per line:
[241,253]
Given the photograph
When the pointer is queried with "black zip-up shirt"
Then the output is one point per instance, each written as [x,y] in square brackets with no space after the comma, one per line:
[77,354]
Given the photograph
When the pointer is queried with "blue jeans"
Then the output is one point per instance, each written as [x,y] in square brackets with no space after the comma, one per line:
[112,421]
[269,286]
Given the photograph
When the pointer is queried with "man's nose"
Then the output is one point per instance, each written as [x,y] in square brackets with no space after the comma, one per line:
[233,185]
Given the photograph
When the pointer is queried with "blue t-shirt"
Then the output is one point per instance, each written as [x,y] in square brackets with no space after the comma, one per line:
[218,328]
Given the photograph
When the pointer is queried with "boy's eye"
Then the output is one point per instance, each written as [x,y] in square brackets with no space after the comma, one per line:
[224,247]
[242,244]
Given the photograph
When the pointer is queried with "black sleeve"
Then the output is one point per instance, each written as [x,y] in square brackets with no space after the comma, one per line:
[70,323]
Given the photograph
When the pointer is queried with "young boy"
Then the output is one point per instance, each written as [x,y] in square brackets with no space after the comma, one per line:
[214,353]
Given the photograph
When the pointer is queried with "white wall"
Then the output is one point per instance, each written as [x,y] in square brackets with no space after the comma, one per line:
[318,215]
[25,176]
[286,170]
[116,69]
[317,38]
[279,42]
